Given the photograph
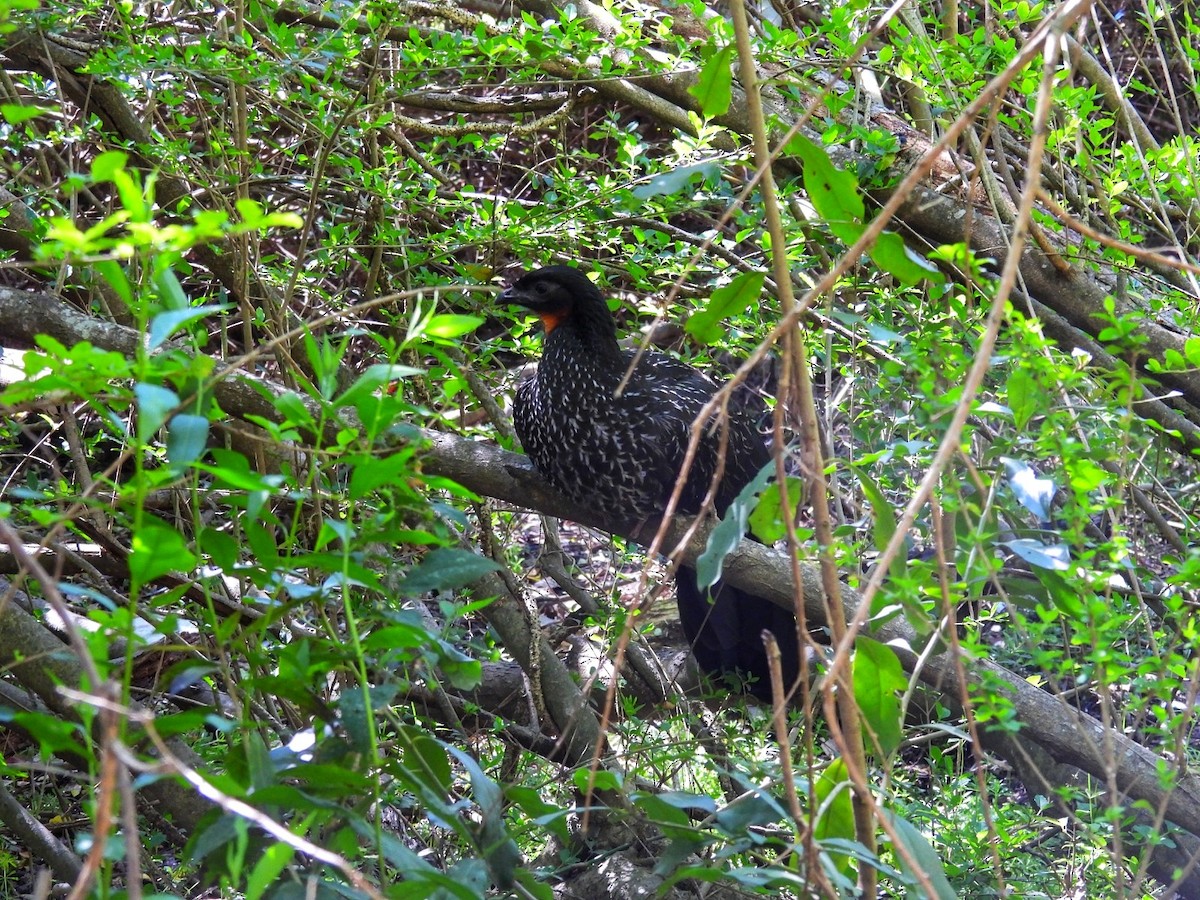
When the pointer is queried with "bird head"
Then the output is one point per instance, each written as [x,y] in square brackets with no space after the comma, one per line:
[562,295]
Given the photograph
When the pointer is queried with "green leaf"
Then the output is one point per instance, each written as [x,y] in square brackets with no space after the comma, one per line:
[269,865]
[463,672]
[1024,396]
[754,807]
[222,548]
[662,814]
[373,379]
[835,810]
[895,257]
[730,300]
[425,762]
[112,272]
[533,885]
[451,326]
[371,474]
[677,180]
[108,164]
[833,192]
[15,113]
[878,679]
[170,291]
[352,710]
[445,569]
[163,325]
[920,851]
[766,522]
[158,549]
[543,814]
[253,218]
[155,403]
[54,735]
[883,518]
[495,844]
[728,533]
[600,780]
[397,636]
[714,88]
[187,436]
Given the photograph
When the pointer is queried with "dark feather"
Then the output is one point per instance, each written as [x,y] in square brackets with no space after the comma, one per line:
[622,453]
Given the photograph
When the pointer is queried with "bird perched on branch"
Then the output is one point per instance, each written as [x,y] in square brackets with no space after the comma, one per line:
[620,449]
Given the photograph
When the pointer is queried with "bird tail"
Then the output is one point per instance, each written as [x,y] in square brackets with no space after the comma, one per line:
[724,626]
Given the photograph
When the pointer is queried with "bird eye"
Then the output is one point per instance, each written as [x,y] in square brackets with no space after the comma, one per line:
[540,288]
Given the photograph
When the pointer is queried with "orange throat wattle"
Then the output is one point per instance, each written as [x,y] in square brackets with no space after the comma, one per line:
[551,320]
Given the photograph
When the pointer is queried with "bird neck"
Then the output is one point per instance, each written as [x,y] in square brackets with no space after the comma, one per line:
[588,334]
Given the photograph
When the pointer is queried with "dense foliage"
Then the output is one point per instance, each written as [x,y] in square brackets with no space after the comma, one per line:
[278,614]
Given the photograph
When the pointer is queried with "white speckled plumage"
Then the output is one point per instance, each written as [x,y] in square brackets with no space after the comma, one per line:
[622,454]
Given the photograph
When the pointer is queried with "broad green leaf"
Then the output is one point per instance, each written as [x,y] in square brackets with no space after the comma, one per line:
[108,164]
[883,517]
[463,672]
[658,811]
[730,300]
[261,539]
[233,472]
[600,780]
[373,379]
[396,636]
[253,217]
[543,814]
[894,256]
[155,403]
[878,679]
[766,522]
[754,806]
[533,885]
[114,273]
[271,863]
[187,436]
[371,474]
[15,113]
[448,326]
[165,324]
[835,810]
[445,569]
[728,533]
[352,709]
[832,191]
[1024,396]
[493,840]
[922,853]
[1191,349]
[158,549]
[170,291]
[54,735]
[1064,594]
[676,180]
[221,547]
[714,88]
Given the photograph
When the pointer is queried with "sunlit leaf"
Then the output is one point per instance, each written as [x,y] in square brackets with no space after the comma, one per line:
[878,680]
[158,549]
[714,88]
[726,302]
